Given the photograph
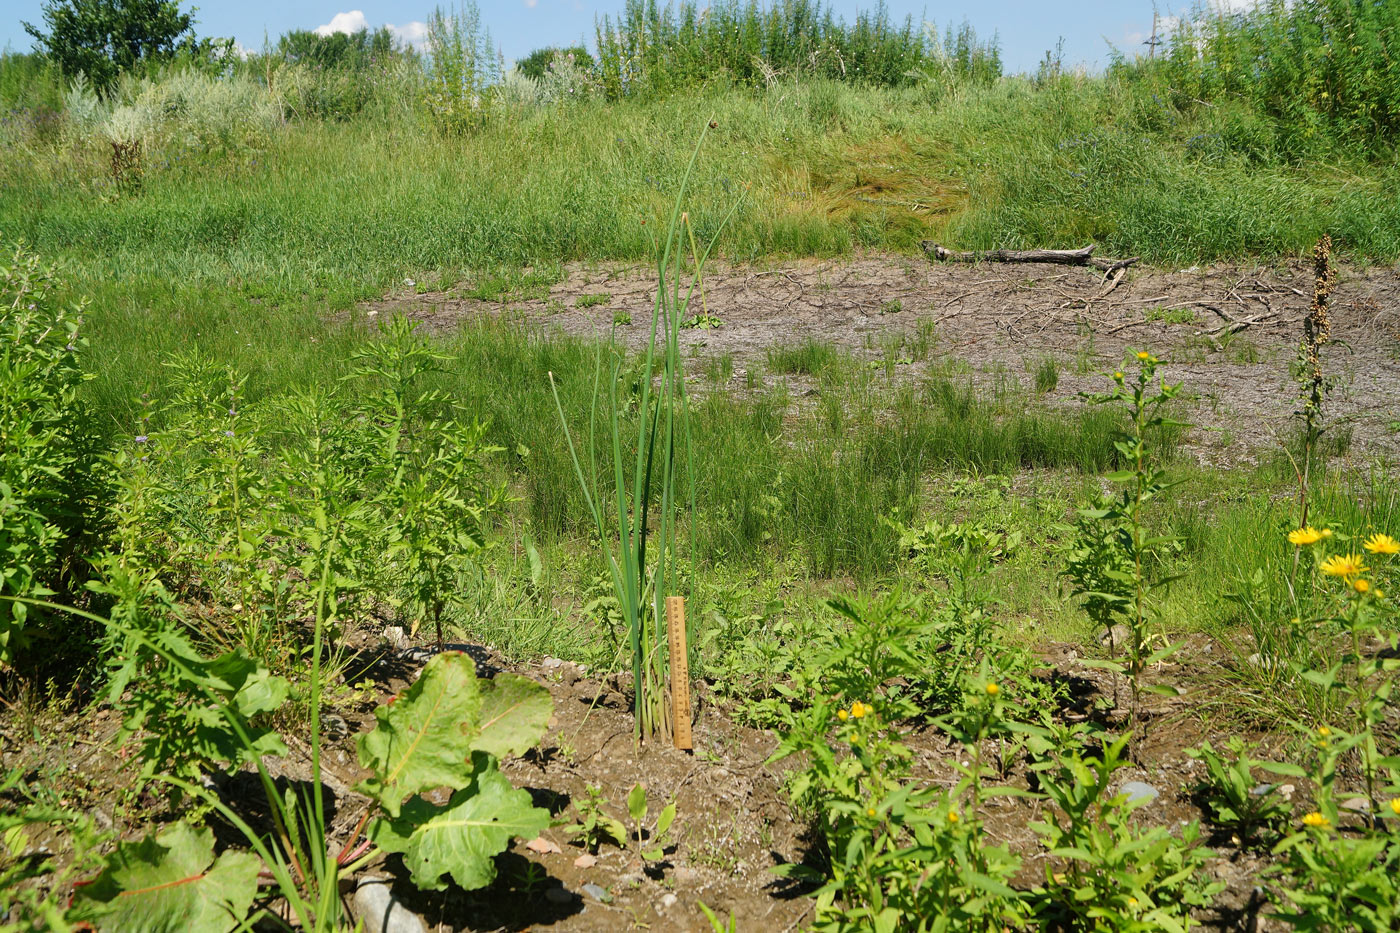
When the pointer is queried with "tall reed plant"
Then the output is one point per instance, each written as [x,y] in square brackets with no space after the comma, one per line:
[649,510]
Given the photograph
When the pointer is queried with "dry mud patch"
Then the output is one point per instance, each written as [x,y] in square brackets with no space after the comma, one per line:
[1229,333]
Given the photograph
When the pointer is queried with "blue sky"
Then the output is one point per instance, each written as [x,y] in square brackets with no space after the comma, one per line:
[1027,27]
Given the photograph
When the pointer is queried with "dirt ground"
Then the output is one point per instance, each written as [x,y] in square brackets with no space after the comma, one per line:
[733,822]
[1228,333]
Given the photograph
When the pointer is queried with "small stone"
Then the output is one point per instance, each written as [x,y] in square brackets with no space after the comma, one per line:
[585,861]
[1138,792]
[1287,790]
[1356,804]
[598,893]
[376,907]
[668,900]
[1262,790]
[550,664]
[542,845]
[1118,636]
[559,896]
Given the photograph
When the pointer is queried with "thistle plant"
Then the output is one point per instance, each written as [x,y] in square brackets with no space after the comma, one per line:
[1114,559]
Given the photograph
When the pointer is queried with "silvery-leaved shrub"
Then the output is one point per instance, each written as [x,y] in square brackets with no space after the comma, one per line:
[46,450]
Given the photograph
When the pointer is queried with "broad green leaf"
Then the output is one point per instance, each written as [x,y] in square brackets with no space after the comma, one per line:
[637,803]
[170,884]
[424,739]
[462,838]
[663,822]
[514,714]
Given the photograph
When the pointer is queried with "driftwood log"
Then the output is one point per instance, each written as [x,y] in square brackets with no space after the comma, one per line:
[1064,257]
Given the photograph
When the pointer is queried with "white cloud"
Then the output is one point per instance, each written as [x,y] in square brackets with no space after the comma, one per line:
[532,3]
[414,33]
[347,23]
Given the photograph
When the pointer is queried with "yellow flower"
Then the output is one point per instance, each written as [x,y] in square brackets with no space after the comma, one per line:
[1316,820]
[1382,544]
[952,816]
[1395,805]
[1144,355]
[1360,585]
[842,715]
[1118,376]
[993,690]
[858,709]
[1327,532]
[1304,536]
[1343,565]
[1132,902]
[869,811]
[1324,731]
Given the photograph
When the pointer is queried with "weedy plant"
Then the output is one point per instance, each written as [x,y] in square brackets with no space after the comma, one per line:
[48,465]
[661,456]
[1115,561]
[1238,801]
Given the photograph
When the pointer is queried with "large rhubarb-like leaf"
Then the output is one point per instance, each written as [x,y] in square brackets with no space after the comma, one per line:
[170,884]
[424,739]
[514,713]
[462,838]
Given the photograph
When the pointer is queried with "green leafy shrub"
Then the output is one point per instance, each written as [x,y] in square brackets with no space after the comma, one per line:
[48,462]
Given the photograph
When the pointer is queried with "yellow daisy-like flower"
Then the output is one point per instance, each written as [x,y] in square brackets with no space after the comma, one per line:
[1382,544]
[842,715]
[858,709]
[1395,805]
[1132,902]
[1327,532]
[1324,731]
[1316,820]
[993,690]
[1144,355]
[869,811]
[1360,585]
[1118,377]
[1301,537]
[1344,565]
[953,816]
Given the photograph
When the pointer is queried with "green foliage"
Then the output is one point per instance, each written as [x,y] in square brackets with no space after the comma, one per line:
[1333,882]
[171,881]
[48,462]
[1313,70]
[808,357]
[103,38]
[651,842]
[595,826]
[461,837]
[33,890]
[538,63]
[650,49]
[462,66]
[428,492]
[442,732]
[1234,794]
[351,50]
[1104,871]
[1115,563]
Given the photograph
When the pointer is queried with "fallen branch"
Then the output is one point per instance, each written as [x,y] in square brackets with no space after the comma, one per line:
[1065,257]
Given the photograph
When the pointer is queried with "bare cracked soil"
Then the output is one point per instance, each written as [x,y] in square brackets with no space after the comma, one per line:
[1229,334]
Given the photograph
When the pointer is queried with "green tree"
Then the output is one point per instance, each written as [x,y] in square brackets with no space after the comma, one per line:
[537,62]
[103,38]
